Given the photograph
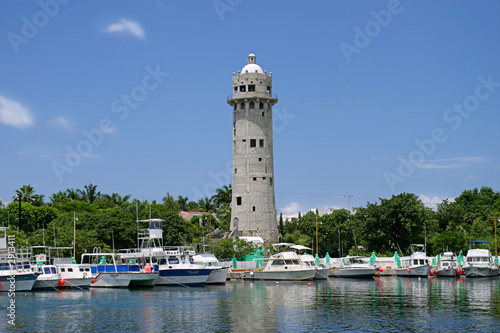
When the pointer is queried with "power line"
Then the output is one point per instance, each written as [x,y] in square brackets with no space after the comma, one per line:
[315,195]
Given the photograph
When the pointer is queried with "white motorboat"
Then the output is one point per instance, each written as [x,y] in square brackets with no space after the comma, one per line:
[282,266]
[447,265]
[73,275]
[47,277]
[479,261]
[355,267]
[15,270]
[218,274]
[415,265]
[308,260]
[111,270]
[15,273]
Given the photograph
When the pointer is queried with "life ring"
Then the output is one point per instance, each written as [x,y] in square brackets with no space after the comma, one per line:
[85,274]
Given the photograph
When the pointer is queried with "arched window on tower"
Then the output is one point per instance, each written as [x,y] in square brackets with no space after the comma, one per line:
[242,106]
[252,105]
[261,105]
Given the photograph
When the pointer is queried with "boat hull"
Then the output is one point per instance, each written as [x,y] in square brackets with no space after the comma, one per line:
[22,282]
[354,272]
[322,273]
[83,283]
[183,277]
[218,275]
[477,271]
[50,283]
[291,275]
[415,271]
[124,280]
[447,272]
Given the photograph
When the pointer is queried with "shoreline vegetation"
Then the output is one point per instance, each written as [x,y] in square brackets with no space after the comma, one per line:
[383,227]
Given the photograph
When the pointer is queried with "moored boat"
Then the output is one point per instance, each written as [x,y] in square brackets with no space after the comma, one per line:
[110,271]
[15,270]
[282,266]
[415,265]
[479,261]
[47,277]
[73,275]
[355,267]
[447,265]
[218,274]
[308,260]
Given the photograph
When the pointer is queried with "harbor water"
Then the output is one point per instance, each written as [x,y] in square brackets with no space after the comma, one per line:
[381,304]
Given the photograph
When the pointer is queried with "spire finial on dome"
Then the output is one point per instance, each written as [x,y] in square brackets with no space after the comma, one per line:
[252,59]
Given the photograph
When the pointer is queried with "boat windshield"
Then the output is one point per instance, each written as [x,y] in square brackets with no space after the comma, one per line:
[478,259]
[292,262]
[449,263]
[278,262]
[173,261]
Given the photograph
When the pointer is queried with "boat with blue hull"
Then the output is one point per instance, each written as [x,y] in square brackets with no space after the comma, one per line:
[15,269]
[174,264]
[112,270]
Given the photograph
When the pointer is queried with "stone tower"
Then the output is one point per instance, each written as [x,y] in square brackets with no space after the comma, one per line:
[253,204]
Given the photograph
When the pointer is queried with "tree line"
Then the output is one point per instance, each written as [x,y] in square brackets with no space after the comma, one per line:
[393,224]
[386,226]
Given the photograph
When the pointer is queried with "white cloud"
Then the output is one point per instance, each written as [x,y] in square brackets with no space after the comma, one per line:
[433,202]
[440,167]
[61,122]
[293,208]
[14,114]
[128,27]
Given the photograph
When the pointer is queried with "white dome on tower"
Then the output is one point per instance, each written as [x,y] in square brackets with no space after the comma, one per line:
[252,66]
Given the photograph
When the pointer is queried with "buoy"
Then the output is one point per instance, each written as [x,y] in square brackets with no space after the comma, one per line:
[60,283]
[380,270]
[25,295]
[309,284]
[277,282]
[93,281]
[147,268]
[408,270]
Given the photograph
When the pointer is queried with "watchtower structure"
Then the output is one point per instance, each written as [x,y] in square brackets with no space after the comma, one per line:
[253,202]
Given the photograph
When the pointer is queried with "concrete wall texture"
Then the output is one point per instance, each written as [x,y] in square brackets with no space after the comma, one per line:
[253,201]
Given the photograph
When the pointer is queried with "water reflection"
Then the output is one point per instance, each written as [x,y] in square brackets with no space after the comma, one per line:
[371,305]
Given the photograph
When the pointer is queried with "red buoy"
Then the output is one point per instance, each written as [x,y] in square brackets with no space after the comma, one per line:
[408,270]
[93,281]
[380,270]
[60,283]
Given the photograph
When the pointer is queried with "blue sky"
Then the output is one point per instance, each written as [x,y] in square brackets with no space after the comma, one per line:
[375,97]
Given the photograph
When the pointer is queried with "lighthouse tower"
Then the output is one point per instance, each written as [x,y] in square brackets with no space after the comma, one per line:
[253,204]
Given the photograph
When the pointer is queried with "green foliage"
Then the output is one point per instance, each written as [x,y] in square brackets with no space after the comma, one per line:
[383,227]
[453,241]
[224,215]
[227,247]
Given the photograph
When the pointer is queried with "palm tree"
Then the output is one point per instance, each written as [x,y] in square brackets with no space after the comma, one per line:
[206,205]
[72,194]
[26,193]
[182,201]
[222,196]
[59,198]
[117,199]
[90,193]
